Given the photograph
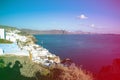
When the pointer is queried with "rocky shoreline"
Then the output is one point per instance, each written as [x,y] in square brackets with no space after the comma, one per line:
[39,54]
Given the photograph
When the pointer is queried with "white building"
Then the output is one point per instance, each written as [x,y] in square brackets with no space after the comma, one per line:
[1,51]
[2,34]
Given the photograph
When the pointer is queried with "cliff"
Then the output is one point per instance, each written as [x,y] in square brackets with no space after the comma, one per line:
[41,65]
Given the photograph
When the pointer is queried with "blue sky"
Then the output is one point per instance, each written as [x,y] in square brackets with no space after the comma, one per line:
[101,16]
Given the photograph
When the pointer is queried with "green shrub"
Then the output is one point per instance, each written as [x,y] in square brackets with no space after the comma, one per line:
[61,72]
[28,70]
[5,41]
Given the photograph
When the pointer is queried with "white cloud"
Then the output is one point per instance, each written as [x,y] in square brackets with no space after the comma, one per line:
[82,16]
[92,25]
[89,25]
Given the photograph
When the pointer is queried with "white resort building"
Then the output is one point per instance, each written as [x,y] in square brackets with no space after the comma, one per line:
[2,34]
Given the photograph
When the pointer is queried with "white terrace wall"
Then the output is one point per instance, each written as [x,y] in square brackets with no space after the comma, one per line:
[2,34]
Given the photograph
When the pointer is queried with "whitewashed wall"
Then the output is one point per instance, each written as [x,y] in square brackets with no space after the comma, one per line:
[1,51]
[2,34]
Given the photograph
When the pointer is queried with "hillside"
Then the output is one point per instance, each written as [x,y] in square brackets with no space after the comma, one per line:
[45,31]
[8,28]
[30,31]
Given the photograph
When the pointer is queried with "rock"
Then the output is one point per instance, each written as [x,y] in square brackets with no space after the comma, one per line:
[57,59]
[67,62]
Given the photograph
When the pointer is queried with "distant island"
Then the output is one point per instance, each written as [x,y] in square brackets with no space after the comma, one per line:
[30,31]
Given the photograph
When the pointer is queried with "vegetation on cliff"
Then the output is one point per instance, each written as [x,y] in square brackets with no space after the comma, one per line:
[5,41]
[22,68]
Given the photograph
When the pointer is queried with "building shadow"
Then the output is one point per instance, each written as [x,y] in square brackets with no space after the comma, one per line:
[10,72]
[110,72]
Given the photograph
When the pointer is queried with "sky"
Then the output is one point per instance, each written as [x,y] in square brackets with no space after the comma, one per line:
[98,16]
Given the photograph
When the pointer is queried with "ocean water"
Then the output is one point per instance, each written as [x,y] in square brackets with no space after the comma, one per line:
[93,52]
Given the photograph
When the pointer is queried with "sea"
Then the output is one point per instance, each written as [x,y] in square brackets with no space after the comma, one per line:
[90,51]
